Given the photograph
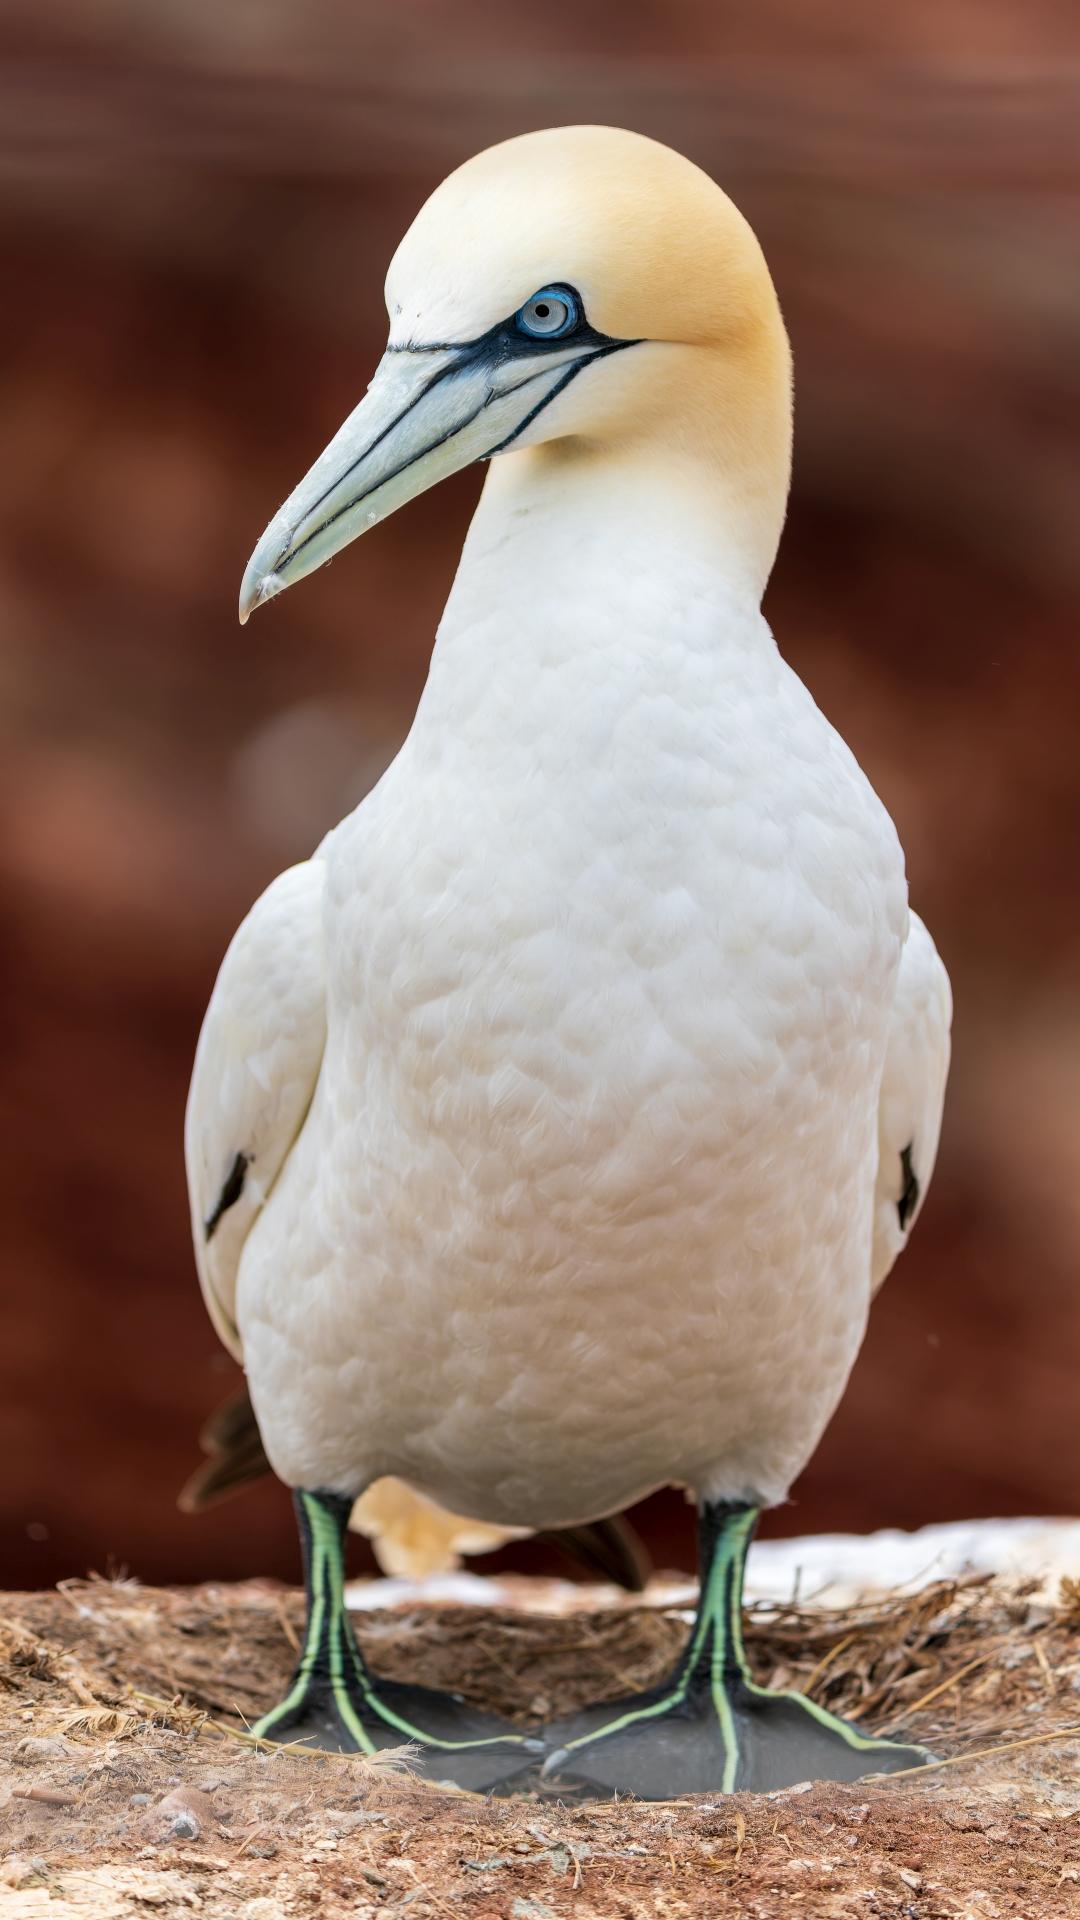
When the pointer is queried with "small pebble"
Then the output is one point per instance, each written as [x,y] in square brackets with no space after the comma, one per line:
[179,1816]
[31,1753]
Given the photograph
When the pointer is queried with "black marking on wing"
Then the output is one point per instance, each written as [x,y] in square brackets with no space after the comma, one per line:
[230,1193]
[909,1197]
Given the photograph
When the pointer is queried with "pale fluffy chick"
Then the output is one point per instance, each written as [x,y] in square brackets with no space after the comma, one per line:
[413,1537]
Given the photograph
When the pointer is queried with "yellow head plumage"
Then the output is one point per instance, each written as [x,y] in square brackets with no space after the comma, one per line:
[656,255]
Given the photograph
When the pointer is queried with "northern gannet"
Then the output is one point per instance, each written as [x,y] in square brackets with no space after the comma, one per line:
[552,1126]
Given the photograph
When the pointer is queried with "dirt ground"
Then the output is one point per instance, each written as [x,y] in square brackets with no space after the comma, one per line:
[127,1784]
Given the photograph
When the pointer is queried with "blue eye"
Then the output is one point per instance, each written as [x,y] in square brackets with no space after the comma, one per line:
[549,313]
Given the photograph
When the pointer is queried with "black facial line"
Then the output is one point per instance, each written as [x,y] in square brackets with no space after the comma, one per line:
[574,368]
[514,341]
[442,374]
[502,342]
[450,433]
[602,353]
[386,478]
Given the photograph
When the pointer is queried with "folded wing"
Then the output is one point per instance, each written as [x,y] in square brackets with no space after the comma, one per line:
[912,1096]
[256,1066]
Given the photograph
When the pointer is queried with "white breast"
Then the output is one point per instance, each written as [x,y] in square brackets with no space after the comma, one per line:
[584,1200]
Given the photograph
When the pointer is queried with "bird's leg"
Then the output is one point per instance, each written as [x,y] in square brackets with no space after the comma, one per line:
[336,1704]
[319,1702]
[710,1728]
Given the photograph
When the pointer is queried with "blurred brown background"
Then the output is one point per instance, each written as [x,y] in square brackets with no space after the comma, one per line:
[198,199]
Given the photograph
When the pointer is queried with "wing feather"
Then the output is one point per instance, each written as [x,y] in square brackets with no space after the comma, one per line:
[255,1071]
[912,1096]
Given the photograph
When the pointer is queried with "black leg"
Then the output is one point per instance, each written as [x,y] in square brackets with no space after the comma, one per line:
[710,1729]
[335,1703]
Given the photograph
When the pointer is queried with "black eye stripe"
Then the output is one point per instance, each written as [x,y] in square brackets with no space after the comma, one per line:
[505,342]
[508,340]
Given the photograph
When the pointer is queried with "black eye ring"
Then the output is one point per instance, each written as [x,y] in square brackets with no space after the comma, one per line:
[550,314]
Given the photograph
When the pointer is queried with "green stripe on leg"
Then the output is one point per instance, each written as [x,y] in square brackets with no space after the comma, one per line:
[331,1676]
[858,1742]
[321,1545]
[725,1608]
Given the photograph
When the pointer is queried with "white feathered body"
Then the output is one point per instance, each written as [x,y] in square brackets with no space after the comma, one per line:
[585,1200]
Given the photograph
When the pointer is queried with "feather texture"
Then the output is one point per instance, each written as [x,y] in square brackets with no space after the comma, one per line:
[579,1092]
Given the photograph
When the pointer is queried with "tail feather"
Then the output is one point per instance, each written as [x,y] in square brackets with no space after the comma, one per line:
[608,1547]
[232,1439]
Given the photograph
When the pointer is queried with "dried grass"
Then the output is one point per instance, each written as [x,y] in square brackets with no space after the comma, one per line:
[110,1689]
[963,1664]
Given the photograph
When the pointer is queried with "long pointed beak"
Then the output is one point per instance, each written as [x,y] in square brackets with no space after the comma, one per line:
[426,414]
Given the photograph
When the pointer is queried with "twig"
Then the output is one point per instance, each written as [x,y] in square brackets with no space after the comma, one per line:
[287,1627]
[979,1661]
[367,1760]
[980,1753]
[251,1837]
[840,1647]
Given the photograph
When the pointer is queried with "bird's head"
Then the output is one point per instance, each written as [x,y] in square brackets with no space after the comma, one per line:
[582,291]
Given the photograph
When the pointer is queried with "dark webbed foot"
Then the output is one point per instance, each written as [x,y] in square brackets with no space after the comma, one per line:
[710,1728]
[336,1704]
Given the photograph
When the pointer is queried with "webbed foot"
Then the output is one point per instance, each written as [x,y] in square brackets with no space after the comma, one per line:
[710,1729]
[335,1704]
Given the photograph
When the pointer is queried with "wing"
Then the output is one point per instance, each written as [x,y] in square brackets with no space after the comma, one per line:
[912,1096]
[256,1066]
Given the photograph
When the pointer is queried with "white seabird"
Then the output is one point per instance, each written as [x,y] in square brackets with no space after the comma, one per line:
[552,1126]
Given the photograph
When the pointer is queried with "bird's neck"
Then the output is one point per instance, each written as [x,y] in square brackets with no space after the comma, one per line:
[575,554]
